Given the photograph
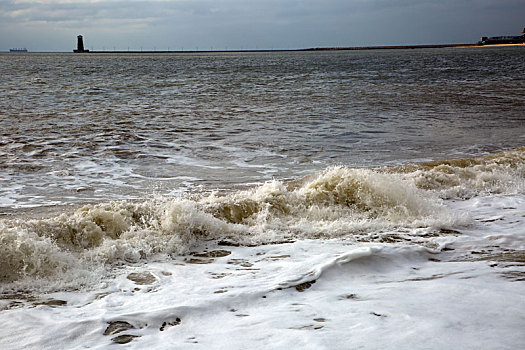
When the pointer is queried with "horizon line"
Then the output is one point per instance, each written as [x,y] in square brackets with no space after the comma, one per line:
[335,48]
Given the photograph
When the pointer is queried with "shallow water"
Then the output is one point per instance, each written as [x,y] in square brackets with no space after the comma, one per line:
[329,199]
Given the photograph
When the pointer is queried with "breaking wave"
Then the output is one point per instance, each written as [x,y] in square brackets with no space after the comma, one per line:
[501,173]
[336,202]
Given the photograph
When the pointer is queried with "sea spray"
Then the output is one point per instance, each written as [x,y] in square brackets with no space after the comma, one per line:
[352,199]
[338,202]
[500,173]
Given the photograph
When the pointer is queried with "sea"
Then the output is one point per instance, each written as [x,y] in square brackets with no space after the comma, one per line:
[337,199]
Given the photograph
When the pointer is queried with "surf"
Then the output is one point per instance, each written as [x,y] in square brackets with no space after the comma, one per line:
[355,204]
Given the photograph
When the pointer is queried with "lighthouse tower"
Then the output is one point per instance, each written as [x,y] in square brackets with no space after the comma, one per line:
[80,45]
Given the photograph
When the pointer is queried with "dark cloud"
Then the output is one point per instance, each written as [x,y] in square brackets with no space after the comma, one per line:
[53,25]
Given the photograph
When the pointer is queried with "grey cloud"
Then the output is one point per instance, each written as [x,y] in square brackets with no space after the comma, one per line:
[258,23]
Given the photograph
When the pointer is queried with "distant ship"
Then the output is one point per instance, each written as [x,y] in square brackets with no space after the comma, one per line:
[518,39]
[18,50]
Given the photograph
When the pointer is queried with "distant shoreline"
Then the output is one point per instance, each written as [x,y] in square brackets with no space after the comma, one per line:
[348,48]
[498,45]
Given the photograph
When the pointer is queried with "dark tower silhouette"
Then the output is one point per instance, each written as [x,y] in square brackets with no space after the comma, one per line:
[80,45]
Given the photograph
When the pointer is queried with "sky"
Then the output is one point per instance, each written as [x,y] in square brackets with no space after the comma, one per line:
[53,25]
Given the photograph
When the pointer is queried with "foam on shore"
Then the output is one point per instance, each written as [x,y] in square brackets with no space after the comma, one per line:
[339,202]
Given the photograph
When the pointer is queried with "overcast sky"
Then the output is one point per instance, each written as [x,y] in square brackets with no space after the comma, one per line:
[52,25]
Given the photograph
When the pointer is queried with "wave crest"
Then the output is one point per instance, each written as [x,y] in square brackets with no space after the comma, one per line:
[467,177]
[336,202]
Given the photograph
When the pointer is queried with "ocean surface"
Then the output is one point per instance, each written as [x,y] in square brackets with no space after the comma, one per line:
[267,200]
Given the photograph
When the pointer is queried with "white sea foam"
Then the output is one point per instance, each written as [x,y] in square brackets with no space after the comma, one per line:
[332,294]
[342,256]
[499,173]
[354,204]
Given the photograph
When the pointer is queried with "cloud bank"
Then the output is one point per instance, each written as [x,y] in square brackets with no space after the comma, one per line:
[204,24]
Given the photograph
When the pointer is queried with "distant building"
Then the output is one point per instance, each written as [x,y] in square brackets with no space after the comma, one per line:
[80,45]
[518,39]
[18,50]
